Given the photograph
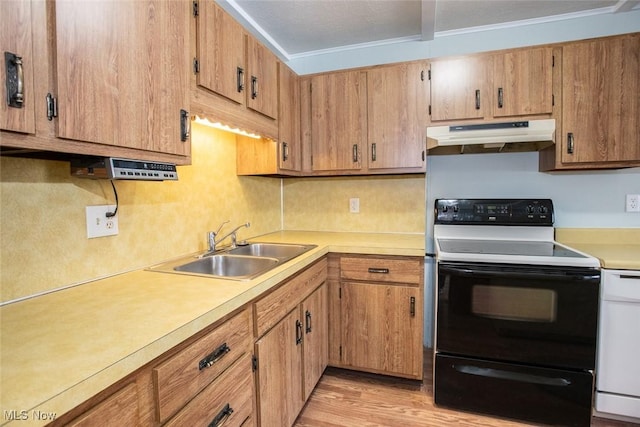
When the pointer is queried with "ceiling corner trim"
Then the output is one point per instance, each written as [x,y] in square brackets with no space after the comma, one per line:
[533,21]
[377,43]
[258,28]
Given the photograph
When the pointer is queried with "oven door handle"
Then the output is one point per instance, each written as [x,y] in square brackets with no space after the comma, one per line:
[538,272]
[512,376]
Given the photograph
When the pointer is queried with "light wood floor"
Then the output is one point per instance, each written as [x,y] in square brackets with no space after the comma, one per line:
[352,399]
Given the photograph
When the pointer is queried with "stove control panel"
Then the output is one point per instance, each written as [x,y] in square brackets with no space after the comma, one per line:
[528,212]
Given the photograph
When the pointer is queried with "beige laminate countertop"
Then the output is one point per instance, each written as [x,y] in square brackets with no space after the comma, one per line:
[60,349]
[616,248]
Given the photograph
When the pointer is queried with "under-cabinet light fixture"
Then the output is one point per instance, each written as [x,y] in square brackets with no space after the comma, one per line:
[217,125]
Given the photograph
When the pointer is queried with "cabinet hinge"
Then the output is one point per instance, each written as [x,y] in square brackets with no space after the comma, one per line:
[254,363]
[52,107]
[429,74]
[196,66]
[195,8]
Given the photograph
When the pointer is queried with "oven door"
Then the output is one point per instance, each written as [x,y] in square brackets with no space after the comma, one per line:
[546,316]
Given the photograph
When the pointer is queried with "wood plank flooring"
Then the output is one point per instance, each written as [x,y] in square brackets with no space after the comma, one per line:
[345,398]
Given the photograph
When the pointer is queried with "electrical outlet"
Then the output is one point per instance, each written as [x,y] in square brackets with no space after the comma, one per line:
[633,203]
[354,205]
[98,224]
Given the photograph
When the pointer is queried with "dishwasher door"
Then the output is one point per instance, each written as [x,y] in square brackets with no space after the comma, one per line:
[618,367]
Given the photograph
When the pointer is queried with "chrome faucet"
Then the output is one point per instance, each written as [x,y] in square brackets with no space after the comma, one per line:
[214,240]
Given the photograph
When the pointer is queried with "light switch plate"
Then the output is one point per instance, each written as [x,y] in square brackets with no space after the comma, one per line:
[98,224]
[354,205]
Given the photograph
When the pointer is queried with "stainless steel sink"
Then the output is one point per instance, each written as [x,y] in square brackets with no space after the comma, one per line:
[239,267]
[281,251]
[241,263]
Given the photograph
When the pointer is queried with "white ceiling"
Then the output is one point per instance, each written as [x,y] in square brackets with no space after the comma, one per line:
[297,28]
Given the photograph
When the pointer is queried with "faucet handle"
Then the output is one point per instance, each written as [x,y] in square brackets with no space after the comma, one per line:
[215,233]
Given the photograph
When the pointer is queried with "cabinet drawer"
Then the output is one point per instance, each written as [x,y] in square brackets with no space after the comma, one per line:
[388,269]
[227,401]
[181,377]
[121,409]
[272,308]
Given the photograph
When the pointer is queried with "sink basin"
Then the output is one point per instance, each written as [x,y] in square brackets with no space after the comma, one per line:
[241,263]
[229,266]
[281,251]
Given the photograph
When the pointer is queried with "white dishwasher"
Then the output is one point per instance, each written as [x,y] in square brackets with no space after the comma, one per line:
[618,366]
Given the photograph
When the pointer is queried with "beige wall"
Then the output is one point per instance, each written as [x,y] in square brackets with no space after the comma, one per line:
[44,245]
[43,228]
[387,204]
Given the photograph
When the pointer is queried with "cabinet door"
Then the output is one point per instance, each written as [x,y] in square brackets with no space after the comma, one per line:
[600,102]
[123,90]
[290,153]
[398,115]
[17,114]
[220,47]
[458,88]
[316,345]
[279,373]
[522,82]
[262,93]
[338,121]
[381,329]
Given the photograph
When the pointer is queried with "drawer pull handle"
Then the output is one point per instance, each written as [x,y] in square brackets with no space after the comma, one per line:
[222,416]
[240,79]
[214,357]
[298,332]
[412,306]
[477,99]
[307,319]
[14,80]
[378,270]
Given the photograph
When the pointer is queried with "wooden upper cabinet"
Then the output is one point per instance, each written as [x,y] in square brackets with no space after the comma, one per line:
[493,86]
[262,83]
[523,82]
[458,88]
[600,101]
[17,109]
[122,73]
[220,52]
[397,116]
[289,152]
[338,121]
[233,65]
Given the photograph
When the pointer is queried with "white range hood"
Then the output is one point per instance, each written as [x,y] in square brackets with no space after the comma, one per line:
[531,135]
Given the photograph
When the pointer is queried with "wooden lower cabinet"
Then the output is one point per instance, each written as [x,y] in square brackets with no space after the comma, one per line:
[279,373]
[227,401]
[293,353]
[120,409]
[377,314]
